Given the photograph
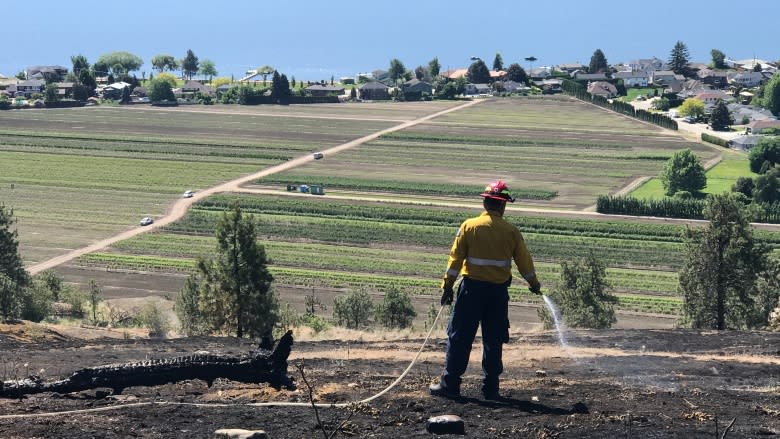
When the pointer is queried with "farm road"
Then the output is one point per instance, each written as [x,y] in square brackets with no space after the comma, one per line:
[180,207]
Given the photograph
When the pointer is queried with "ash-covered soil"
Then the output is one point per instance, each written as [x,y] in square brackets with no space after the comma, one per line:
[601,384]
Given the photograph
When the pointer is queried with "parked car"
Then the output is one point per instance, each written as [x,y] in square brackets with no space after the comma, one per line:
[690,119]
[318,155]
[188,194]
[145,221]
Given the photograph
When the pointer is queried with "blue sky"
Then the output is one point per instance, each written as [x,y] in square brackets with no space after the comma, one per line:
[316,39]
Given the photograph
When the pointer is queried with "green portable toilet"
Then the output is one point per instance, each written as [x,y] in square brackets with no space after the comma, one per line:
[317,189]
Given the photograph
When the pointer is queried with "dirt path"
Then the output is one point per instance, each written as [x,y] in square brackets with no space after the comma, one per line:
[180,207]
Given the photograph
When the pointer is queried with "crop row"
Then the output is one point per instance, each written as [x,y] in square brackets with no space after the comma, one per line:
[427,262]
[404,187]
[450,216]
[346,279]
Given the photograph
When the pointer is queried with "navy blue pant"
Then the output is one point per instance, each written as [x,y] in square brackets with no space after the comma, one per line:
[478,303]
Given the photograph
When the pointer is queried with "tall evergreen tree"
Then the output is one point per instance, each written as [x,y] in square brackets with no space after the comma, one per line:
[397,70]
[189,65]
[79,64]
[679,59]
[583,296]
[11,263]
[236,294]
[721,118]
[723,262]
[598,62]
[434,67]
[498,62]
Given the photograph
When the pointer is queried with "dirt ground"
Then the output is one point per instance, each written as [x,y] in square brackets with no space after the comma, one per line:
[598,384]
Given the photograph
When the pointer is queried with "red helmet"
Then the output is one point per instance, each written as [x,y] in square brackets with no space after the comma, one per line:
[498,191]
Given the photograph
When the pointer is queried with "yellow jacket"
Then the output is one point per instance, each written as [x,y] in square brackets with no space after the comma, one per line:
[484,248]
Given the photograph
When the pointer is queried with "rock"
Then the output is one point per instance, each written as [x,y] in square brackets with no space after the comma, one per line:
[445,424]
[237,433]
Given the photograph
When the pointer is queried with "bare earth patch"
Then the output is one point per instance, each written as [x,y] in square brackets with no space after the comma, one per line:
[615,383]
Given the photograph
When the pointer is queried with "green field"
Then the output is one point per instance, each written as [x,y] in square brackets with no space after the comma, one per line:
[559,147]
[339,244]
[720,178]
[74,176]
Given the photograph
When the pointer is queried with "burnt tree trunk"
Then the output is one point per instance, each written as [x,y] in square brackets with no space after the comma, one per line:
[261,367]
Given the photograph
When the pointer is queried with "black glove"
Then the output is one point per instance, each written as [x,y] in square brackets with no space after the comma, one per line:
[446,296]
[536,289]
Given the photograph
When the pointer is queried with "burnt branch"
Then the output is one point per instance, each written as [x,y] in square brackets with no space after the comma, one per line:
[261,367]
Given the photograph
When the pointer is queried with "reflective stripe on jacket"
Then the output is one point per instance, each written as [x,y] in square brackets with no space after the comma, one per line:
[484,249]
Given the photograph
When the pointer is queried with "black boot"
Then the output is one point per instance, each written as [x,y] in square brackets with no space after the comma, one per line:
[441,389]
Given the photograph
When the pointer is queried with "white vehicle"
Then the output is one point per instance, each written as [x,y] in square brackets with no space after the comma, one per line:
[188,194]
[318,155]
[145,221]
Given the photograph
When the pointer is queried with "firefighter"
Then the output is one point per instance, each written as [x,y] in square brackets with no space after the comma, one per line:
[482,254]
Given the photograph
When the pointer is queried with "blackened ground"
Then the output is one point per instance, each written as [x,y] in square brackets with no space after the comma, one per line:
[603,384]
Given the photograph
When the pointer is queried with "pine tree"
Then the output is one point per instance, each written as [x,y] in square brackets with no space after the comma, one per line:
[235,285]
[721,118]
[598,62]
[498,62]
[679,58]
[723,262]
[583,295]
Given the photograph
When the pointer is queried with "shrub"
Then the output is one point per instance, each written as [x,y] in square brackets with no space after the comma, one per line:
[396,311]
[582,295]
[316,323]
[353,309]
[36,302]
[152,318]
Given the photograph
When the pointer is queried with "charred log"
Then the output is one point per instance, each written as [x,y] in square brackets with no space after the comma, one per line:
[263,366]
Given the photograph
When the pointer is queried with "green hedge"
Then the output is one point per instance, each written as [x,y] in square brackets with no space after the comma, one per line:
[665,207]
[714,140]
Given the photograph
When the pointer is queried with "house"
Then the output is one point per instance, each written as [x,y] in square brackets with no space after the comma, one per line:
[689,88]
[582,76]
[713,78]
[417,86]
[744,143]
[374,91]
[496,75]
[633,78]
[223,88]
[647,65]
[749,113]
[539,73]
[324,90]
[712,97]
[515,87]
[570,67]
[192,87]
[664,76]
[549,86]
[477,89]
[30,86]
[747,79]
[39,72]
[64,89]
[380,75]
[757,126]
[115,90]
[602,88]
